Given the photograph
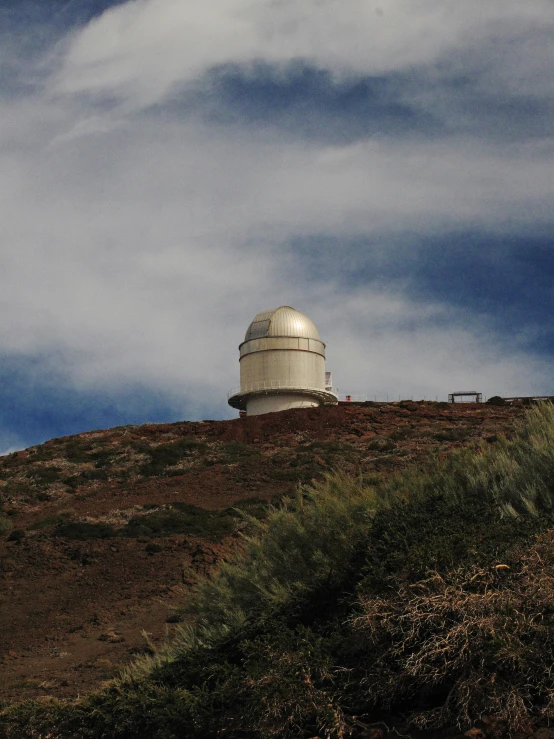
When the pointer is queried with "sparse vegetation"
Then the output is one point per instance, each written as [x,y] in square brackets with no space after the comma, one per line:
[381,444]
[452,434]
[251,507]
[17,488]
[77,451]
[496,400]
[168,455]
[48,522]
[152,548]
[310,461]
[481,638]
[161,521]
[5,525]
[96,474]
[102,458]
[13,460]
[432,591]
[233,450]
[44,475]
[16,535]
[43,453]
[181,518]
[84,530]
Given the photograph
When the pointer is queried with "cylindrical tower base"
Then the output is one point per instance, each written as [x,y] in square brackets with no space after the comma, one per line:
[259,404]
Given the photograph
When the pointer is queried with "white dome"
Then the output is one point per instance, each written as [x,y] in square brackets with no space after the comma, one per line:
[282,364]
[283,321]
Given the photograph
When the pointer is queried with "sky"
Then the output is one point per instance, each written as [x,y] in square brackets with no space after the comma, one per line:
[169,169]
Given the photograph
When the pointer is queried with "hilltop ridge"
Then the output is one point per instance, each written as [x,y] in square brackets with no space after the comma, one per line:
[107,530]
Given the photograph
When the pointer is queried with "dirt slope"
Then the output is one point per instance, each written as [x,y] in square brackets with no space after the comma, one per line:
[110,528]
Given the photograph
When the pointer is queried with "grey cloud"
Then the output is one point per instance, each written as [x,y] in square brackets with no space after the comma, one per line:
[138,244]
[499,90]
[140,51]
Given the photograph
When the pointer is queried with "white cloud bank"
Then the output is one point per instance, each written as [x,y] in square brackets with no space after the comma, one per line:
[136,246]
[140,50]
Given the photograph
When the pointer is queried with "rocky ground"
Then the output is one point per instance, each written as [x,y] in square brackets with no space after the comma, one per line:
[108,529]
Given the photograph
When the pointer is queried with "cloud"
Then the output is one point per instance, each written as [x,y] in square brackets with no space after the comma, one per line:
[169,170]
[139,51]
[388,346]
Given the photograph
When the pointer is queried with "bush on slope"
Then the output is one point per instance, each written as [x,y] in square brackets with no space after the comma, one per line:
[479,639]
[308,631]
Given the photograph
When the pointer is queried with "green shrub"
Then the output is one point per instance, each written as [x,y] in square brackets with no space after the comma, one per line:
[77,451]
[296,474]
[309,539]
[51,521]
[16,535]
[102,458]
[235,450]
[142,711]
[13,460]
[152,548]
[182,518]
[17,488]
[83,530]
[176,616]
[44,475]
[74,481]
[5,525]
[167,455]
[252,507]
[404,432]
[140,445]
[477,641]
[43,453]
[437,532]
[382,444]
[496,400]
[91,475]
[453,434]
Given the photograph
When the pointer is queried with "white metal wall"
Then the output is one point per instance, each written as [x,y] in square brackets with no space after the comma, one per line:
[286,368]
[260,404]
[282,342]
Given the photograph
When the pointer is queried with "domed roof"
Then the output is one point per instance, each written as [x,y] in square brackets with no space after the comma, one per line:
[283,321]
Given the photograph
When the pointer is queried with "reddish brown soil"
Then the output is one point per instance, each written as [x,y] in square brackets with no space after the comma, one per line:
[73,612]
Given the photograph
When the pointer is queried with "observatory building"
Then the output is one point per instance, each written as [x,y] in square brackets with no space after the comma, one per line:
[282,365]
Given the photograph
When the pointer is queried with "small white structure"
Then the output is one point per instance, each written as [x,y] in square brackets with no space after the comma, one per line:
[282,364]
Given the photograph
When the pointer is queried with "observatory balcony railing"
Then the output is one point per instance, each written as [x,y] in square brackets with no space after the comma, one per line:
[269,385]
[465,394]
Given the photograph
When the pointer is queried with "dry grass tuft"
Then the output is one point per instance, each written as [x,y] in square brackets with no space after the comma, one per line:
[481,638]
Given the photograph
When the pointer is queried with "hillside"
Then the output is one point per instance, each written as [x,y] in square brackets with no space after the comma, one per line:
[106,531]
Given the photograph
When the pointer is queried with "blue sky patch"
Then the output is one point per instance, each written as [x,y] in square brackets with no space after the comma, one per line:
[429,101]
[309,103]
[506,281]
[37,404]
